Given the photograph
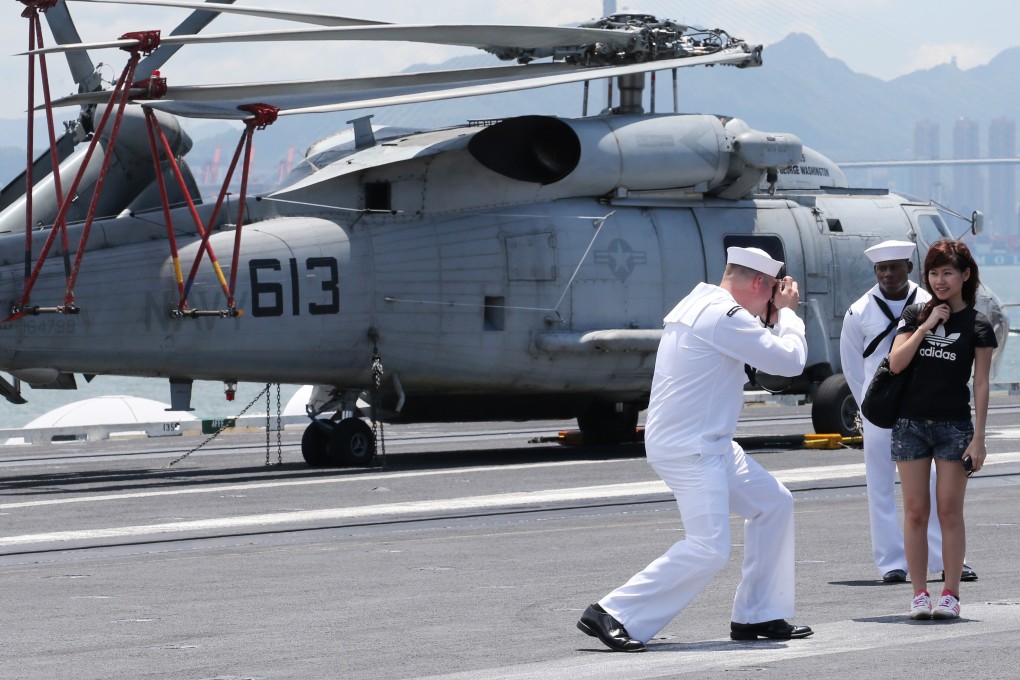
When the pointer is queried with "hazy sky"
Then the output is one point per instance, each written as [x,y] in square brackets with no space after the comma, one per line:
[883,38]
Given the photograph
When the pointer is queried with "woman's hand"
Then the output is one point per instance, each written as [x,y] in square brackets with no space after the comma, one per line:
[938,315]
[976,452]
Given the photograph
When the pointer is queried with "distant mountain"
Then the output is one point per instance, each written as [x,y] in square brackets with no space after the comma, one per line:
[801,90]
[849,116]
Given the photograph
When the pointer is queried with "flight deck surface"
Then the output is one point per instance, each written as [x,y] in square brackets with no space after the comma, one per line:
[468,552]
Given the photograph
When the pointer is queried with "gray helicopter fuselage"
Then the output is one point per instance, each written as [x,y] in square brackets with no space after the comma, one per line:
[516,271]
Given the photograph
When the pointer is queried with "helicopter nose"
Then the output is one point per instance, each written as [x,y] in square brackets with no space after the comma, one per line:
[988,303]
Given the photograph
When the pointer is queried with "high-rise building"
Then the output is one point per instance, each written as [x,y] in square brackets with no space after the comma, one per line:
[926,180]
[968,182]
[1002,205]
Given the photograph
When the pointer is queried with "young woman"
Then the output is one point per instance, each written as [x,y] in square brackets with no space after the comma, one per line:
[941,342]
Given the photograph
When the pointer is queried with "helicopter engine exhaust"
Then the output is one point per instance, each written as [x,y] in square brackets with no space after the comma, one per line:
[537,149]
[701,153]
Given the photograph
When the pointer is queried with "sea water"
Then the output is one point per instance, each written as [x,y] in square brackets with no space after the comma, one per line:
[207,398]
[209,401]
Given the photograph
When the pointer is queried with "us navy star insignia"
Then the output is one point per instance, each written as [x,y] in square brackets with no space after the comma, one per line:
[621,258]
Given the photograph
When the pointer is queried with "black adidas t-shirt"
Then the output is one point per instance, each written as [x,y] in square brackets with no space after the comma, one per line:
[937,386]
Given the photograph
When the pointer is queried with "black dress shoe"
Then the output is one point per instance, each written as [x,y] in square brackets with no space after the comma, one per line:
[778,629]
[894,576]
[598,623]
[967,574]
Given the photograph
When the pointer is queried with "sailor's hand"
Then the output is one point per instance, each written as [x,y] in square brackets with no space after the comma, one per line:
[787,295]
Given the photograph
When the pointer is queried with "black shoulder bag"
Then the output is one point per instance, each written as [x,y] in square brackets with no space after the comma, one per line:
[881,405]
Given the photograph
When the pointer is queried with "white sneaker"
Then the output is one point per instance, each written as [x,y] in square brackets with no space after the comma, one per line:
[948,607]
[920,606]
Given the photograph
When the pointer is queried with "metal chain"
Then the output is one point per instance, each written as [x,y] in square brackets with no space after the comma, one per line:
[279,428]
[279,443]
[377,427]
[267,423]
[218,431]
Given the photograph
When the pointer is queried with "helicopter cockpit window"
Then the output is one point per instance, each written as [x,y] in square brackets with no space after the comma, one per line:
[773,245]
[931,228]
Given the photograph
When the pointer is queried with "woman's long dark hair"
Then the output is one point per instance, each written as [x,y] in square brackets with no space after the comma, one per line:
[955,254]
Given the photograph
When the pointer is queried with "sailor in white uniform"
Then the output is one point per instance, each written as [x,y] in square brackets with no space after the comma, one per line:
[696,397]
[868,330]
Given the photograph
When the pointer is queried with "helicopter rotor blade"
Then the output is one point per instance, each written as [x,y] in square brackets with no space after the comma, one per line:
[321,96]
[283,15]
[194,23]
[489,37]
[83,71]
[599,49]
[733,56]
[333,89]
[313,96]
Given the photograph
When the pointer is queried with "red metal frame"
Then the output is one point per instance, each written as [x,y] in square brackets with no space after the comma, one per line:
[35,39]
[185,289]
[155,87]
[147,41]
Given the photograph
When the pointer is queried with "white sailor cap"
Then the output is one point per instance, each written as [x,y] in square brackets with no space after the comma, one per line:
[753,258]
[887,251]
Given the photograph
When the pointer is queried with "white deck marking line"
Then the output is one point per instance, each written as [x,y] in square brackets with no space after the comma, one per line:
[251,486]
[792,475]
[468,503]
[464,504]
[682,658]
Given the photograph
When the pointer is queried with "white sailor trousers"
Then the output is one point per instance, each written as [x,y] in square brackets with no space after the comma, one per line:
[886,527]
[707,490]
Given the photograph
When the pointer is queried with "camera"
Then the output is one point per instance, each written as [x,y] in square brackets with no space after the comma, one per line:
[780,283]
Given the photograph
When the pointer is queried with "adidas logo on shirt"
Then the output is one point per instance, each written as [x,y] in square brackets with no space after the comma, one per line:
[939,339]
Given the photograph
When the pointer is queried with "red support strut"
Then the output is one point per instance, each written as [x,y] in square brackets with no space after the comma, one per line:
[155,88]
[147,41]
[263,115]
[35,39]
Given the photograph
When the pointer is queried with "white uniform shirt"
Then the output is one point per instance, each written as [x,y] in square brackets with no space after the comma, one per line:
[697,389]
[863,322]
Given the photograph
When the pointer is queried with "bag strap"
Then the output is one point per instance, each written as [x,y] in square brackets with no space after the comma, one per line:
[892,322]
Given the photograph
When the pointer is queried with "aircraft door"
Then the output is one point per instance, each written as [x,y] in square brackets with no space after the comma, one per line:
[682,255]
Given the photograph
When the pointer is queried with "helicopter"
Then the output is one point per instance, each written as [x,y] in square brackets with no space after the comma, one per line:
[513,268]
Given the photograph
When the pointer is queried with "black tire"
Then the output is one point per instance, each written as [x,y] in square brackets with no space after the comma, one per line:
[314,442]
[834,410]
[601,423]
[351,443]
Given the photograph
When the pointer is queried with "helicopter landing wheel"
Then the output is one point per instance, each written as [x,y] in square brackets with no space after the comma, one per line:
[351,443]
[834,409]
[314,442]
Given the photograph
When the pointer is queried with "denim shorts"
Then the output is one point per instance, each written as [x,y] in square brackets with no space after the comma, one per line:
[939,439]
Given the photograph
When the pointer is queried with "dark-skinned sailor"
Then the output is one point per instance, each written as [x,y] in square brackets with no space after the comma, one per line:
[868,330]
